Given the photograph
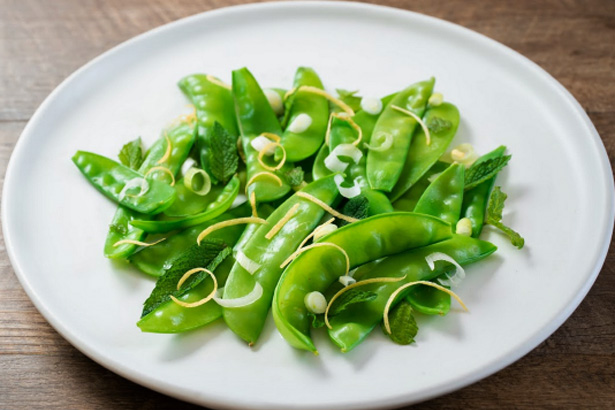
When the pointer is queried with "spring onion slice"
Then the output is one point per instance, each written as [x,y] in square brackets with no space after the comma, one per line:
[163,169]
[326,207]
[352,286]
[454,279]
[134,183]
[387,307]
[224,224]
[278,226]
[418,119]
[385,145]
[201,301]
[351,192]
[254,295]
[259,143]
[246,263]
[333,162]
[192,172]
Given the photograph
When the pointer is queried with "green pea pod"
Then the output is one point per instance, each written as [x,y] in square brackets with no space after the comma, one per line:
[444,196]
[213,210]
[170,317]
[428,300]
[153,260]
[182,139]
[248,321]
[475,200]
[350,327]
[213,103]
[189,203]
[263,211]
[407,202]
[363,241]
[304,144]
[256,116]
[111,179]
[442,122]
[319,170]
[384,167]
[276,103]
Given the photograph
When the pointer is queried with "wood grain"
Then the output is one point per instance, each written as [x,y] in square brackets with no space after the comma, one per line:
[43,42]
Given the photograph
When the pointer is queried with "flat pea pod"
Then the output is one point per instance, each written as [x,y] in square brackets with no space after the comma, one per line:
[302,144]
[263,211]
[248,321]
[182,139]
[155,259]
[213,210]
[444,196]
[428,300]
[111,179]
[363,241]
[187,202]
[255,116]
[475,200]
[384,167]
[407,202]
[170,317]
[350,327]
[213,102]
[442,122]
[319,170]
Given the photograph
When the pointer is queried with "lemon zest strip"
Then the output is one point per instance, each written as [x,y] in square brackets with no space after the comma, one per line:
[271,136]
[201,301]
[262,152]
[224,224]
[418,119]
[134,242]
[314,90]
[314,232]
[263,174]
[253,204]
[316,245]
[326,207]
[167,152]
[278,226]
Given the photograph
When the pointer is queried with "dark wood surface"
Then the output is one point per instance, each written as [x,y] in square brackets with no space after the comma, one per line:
[42,42]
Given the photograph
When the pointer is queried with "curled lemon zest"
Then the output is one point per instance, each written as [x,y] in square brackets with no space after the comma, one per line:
[253,204]
[138,243]
[317,245]
[262,152]
[350,121]
[201,301]
[314,90]
[326,207]
[271,136]
[354,285]
[391,299]
[167,153]
[224,224]
[163,169]
[218,82]
[263,174]
[418,119]
[314,232]
[278,226]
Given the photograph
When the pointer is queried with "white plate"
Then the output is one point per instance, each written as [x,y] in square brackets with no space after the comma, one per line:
[559,184]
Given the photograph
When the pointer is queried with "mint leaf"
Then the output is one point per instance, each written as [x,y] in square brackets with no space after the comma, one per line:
[223,158]
[494,217]
[437,124]
[402,323]
[485,170]
[350,298]
[356,207]
[295,176]
[118,228]
[350,98]
[208,255]
[131,154]
[317,320]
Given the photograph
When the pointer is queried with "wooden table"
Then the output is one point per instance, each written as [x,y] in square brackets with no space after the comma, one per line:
[42,42]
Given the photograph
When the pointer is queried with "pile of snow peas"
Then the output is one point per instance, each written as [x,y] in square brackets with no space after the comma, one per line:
[334,211]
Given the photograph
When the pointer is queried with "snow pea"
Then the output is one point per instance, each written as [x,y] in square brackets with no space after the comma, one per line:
[263,211]
[319,170]
[350,327]
[248,321]
[475,200]
[153,260]
[363,241]
[407,202]
[428,300]
[442,122]
[110,178]
[302,145]
[444,196]
[188,203]
[213,103]
[384,167]
[182,139]
[216,208]
[256,116]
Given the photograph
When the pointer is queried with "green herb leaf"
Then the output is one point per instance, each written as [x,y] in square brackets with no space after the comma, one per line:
[350,298]
[223,158]
[356,207]
[437,124]
[208,255]
[485,170]
[494,217]
[317,320]
[131,154]
[350,98]
[295,176]
[118,228]
[403,325]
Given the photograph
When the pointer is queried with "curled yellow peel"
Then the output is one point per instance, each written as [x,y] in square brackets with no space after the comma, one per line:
[278,226]
[260,175]
[387,325]
[354,285]
[314,90]
[271,136]
[418,119]
[138,243]
[262,152]
[167,153]
[218,82]
[307,238]
[224,224]
[201,301]
[326,207]
[350,121]
[317,245]
[253,204]
[163,169]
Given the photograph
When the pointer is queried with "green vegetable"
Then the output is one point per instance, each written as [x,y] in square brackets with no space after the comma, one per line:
[222,154]
[349,298]
[357,207]
[485,170]
[131,154]
[350,98]
[403,324]
[295,176]
[494,217]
